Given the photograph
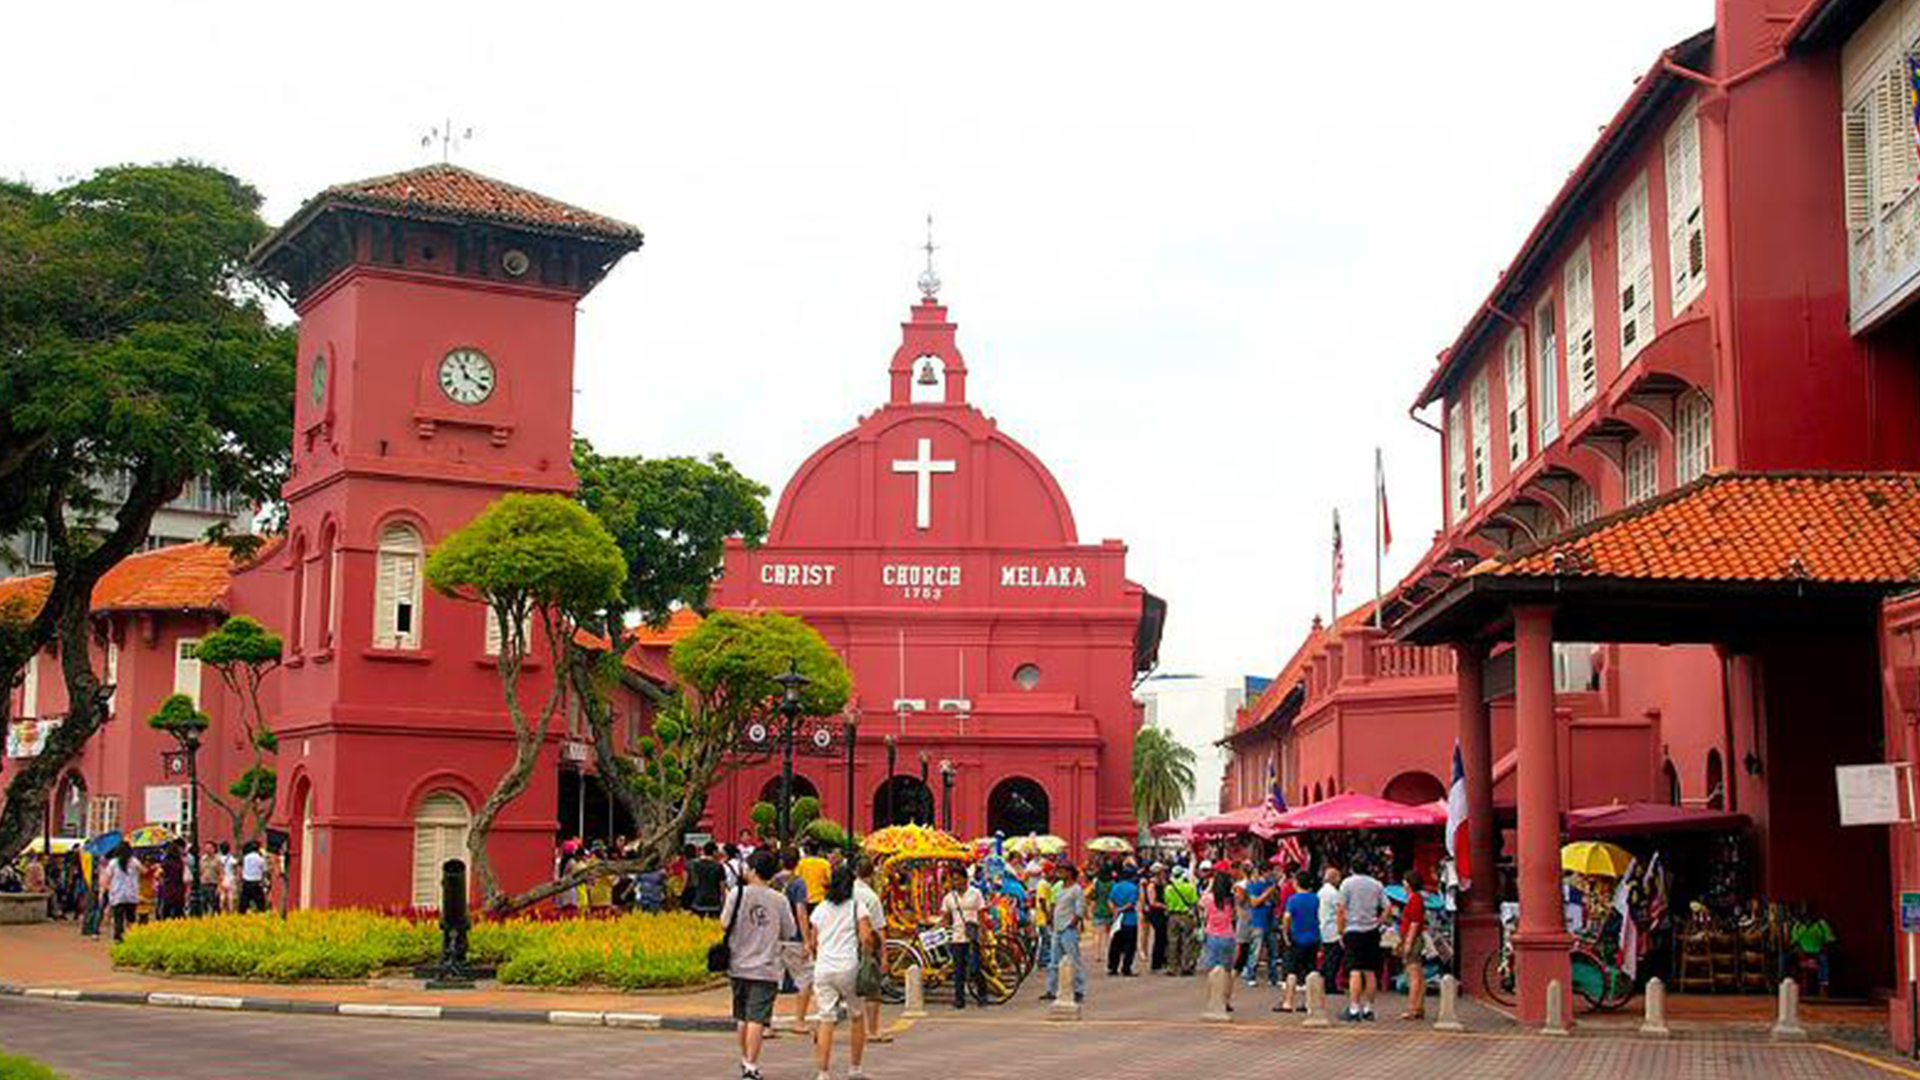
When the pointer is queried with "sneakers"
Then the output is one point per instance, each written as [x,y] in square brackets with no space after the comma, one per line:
[856,1073]
[1351,1016]
[1046,997]
[749,1072]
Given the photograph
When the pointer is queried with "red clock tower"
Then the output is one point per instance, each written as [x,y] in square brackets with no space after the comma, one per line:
[435,374]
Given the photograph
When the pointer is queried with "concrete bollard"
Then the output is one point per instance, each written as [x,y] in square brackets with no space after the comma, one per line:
[1316,1002]
[1655,1025]
[1787,1027]
[1449,1018]
[1556,1010]
[916,1005]
[1065,1005]
[1216,1012]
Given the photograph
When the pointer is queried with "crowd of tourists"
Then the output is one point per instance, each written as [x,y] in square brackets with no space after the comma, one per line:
[122,888]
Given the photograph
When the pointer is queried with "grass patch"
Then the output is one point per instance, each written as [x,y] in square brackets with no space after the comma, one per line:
[630,952]
[19,1068]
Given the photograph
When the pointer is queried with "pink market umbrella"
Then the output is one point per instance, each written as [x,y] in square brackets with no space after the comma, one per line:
[1354,811]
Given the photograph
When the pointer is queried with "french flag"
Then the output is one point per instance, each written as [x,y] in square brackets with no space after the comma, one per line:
[1457,824]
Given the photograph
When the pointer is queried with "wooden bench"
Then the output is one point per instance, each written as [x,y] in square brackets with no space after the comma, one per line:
[23,907]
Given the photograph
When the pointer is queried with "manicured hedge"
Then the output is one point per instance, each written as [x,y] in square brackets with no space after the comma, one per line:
[629,952]
[19,1068]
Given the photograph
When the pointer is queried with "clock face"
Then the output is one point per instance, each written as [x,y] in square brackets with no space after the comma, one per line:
[318,385]
[466,376]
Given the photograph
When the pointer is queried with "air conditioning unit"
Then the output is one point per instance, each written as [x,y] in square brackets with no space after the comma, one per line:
[909,704]
[576,751]
[956,704]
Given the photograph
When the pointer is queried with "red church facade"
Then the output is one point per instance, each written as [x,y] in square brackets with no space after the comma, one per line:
[940,557]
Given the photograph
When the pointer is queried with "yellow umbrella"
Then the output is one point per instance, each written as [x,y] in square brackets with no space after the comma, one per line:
[1596,858]
[1036,845]
[1111,844]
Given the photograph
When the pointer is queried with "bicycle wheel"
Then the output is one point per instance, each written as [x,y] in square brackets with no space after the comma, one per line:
[902,953]
[1589,980]
[1496,978]
[1001,971]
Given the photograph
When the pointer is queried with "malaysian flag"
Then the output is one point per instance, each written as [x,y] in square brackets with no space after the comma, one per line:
[1339,565]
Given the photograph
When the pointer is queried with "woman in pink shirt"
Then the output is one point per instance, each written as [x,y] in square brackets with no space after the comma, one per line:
[1216,921]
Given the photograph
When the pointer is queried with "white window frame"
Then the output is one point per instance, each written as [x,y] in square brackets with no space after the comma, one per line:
[103,814]
[1880,164]
[443,835]
[1583,361]
[1547,369]
[1481,396]
[1583,504]
[1692,437]
[399,567]
[1457,477]
[1640,462]
[1686,212]
[1516,389]
[30,689]
[113,674]
[186,668]
[494,642]
[1634,234]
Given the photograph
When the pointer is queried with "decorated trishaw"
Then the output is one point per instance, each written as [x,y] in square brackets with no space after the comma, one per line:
[912,866]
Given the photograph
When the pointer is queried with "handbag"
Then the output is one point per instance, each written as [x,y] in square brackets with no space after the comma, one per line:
[720,953]
[866,981]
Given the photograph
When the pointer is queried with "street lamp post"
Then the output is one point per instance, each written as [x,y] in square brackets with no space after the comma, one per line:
[188,736]
[946,795]
[852,727]
[925,791]
[790,684]
[893,748]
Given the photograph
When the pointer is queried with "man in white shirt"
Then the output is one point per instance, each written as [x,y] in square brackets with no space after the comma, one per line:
[1330,950]
[253,879]
[961,910]
[1362,904]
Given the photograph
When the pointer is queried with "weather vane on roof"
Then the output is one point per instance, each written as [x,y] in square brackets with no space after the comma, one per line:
[448,138]
[929,281]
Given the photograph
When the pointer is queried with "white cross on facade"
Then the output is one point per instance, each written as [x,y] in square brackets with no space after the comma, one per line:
[923,467]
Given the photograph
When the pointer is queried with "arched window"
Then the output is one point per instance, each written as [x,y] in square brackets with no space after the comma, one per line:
[1670,779]
[1716,782]
[439,834]
[71,805]
[1414,788]
[296,620]
[396,607]
[903,800]
[1642,461]
[1018,806]
[1582,504]
[1693,437]
[328,555]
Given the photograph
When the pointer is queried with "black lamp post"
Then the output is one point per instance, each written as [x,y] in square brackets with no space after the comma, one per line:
[893,748]
[946,794]
[852,727]
[790,684]
[188,736]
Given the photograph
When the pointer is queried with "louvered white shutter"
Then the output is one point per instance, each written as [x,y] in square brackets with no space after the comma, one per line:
[494,642]
[1482,438]
[426,866]
[1516,385]
[1457,457]
[1583,374]
[386,600]
[30,689]
[439,834]
[113,674]
[396,608]
[1547,383]
[1854,125]
[1894,151]
[1686,231]
[186,668]
[1635,248]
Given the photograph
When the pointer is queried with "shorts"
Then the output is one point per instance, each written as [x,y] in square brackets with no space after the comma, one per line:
[1302,960]
[1363,949]
[753,1000]
[833,996]
[793,956]
[1216,951]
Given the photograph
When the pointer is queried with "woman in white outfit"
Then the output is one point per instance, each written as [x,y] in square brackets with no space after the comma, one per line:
[840,927]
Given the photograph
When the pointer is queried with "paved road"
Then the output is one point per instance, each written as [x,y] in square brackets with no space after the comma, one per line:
[106,1042]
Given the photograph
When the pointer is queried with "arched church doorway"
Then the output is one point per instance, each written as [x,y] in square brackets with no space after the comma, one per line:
[1414,788]
[802,789]
[70,806]
[903,800]
[1018,806]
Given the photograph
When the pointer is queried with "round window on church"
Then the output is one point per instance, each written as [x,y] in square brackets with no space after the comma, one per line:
[1027,676]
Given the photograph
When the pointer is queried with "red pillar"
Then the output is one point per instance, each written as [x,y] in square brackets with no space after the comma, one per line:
[1479,905]
[1541,944]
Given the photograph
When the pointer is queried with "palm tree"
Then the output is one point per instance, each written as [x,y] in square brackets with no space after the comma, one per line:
[1162,776]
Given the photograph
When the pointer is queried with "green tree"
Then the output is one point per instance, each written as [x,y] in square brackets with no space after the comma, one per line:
[1162,776]
[728,670]
[133,345]
[672,518]
[535,561]
[243,653]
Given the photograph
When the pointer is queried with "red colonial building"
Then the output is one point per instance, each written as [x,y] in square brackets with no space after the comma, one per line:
[1676,454]
[993,653]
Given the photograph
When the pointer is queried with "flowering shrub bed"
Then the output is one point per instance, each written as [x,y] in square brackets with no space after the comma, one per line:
[628,952]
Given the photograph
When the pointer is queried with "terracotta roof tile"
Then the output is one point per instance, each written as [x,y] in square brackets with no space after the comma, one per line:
[1836,528]
[450,189]
[184,577]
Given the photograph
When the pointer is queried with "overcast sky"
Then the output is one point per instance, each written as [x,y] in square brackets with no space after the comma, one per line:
[1202,255]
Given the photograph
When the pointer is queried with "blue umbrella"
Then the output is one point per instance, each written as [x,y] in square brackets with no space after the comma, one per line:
[103,845]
